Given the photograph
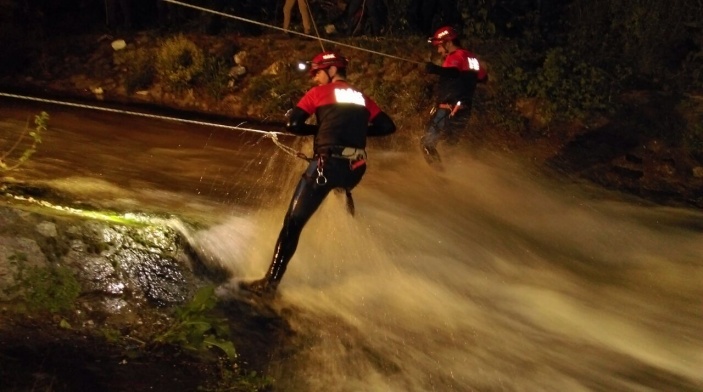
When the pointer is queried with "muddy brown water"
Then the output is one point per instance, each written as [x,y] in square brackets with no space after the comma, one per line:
[487,277]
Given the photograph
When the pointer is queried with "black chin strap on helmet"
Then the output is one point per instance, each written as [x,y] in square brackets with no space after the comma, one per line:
[328,75]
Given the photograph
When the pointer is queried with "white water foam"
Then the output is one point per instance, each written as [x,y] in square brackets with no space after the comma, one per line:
[484,277]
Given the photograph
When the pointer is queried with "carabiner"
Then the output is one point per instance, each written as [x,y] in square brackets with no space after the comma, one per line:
[321,180]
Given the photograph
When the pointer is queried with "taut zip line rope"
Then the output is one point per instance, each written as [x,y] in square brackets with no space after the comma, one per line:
[273,135]
[269,134]
[289,31]
[160,117]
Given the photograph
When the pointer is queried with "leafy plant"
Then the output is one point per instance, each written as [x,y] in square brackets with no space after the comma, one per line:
[215,78]
[275,93]
[651,38]
[140,69]
[570,86]
[178,62]
[40,125]
[195,328]
[561,86]
[693,135]
[237,379]
[477,21]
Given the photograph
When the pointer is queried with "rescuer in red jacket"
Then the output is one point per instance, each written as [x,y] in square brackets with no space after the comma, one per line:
[345,117]
[458,77]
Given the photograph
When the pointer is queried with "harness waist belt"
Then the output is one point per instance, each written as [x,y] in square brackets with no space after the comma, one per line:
[350,153]
[452,108]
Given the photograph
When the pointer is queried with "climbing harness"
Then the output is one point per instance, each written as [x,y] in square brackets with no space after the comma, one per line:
[321,180]
[452,108]
[450,112]
[356,158]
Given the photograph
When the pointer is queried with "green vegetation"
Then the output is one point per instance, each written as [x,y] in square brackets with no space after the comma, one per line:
[574,60]
[215,77]
[235,379]
[140,69]
[278,92]
[196,328]
[23,149]
[178,62]
[692,139]
[53,288]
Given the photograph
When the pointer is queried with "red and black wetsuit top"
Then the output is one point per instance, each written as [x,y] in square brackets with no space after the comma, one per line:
[458,76]
[343,114]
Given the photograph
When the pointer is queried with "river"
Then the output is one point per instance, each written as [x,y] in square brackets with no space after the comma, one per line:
[489,276]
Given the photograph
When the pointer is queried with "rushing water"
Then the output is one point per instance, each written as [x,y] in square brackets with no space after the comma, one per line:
[488,276]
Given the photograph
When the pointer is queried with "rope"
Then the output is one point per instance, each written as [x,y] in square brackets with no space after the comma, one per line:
[314,25]
[267,134]
[287,149]
[104,109]
[290,31]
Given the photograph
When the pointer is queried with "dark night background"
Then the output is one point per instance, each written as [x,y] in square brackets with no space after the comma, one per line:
[605,91]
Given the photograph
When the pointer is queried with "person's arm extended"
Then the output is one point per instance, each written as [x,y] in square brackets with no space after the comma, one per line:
[450,72]
[381,125]
[296,123]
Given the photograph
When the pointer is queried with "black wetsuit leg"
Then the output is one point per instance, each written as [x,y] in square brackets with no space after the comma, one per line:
[433,133]
[456,125]
[306,199]
[308,196]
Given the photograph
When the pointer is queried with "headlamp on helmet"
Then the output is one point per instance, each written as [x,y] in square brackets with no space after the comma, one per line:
[325,60]
[303,65]
[442,35]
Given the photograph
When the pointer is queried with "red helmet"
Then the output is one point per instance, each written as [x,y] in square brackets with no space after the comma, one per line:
[444,34]
[325,60]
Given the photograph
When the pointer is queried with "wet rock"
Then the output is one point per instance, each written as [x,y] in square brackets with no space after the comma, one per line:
[16,253]
[118,44]
[697,171]
[237,71]
[98,275]
[133,263]
[47,229]
[240,57]
[160,279]
[275,68]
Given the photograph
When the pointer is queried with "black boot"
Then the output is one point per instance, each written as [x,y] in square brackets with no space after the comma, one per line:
[262,287]
[431,155]
[267,286]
